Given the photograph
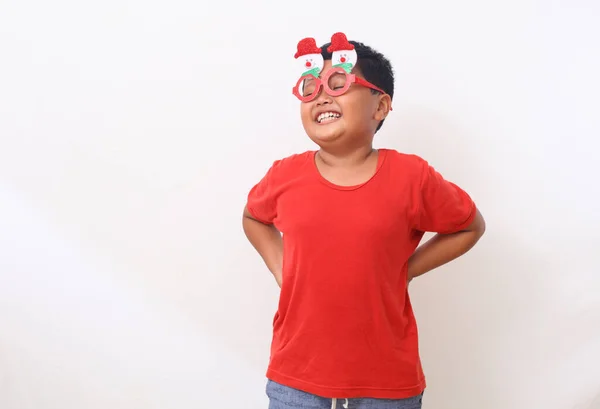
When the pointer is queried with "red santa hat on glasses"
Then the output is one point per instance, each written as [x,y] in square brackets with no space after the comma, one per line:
[342,52]
[309,55]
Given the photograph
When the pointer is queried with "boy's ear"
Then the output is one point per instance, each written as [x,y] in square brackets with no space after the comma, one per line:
[384,107]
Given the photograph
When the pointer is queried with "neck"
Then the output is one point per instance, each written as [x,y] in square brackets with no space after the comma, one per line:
[349,158]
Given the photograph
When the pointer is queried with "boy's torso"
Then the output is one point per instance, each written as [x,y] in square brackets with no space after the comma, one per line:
[344,326]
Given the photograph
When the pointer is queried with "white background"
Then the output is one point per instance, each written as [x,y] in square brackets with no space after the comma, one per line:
[131,131]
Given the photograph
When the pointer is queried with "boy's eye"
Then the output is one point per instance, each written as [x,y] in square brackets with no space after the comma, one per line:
[337,81]
[308,87]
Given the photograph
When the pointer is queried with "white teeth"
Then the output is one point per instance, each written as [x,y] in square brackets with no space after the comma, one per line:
[327,116]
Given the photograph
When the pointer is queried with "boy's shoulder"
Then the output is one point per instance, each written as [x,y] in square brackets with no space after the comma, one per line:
[294,159]
[292,163]
[405,162]
[409,158]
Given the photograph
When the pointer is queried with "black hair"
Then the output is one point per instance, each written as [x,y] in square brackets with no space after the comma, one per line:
[373,65]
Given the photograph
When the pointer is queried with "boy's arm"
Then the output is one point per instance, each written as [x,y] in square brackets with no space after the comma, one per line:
[267,241]
[443,248]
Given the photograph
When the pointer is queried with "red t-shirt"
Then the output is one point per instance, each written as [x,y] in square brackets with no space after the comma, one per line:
[345,327]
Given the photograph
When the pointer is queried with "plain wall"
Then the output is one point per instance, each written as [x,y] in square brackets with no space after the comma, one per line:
[131,132]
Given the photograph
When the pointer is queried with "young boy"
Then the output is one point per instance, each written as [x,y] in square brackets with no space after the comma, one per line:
[351,218]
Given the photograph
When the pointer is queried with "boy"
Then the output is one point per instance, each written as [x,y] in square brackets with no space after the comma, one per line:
[351,219]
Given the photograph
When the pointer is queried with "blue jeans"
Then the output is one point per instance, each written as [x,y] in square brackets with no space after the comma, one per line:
[283,397]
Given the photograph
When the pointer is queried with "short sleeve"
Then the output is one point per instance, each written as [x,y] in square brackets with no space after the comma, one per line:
[444,207]
[262,199]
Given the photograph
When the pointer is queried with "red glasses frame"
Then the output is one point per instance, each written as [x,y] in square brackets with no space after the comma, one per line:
[324,82]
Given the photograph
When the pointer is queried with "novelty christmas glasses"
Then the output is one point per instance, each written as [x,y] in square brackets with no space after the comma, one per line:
[336,80]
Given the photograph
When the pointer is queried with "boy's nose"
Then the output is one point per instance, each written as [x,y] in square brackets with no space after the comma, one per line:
[323,98]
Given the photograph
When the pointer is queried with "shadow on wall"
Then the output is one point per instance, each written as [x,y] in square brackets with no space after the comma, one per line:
[595,402]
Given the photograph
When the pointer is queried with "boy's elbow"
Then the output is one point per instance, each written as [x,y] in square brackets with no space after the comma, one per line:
[246,215]
[477,225]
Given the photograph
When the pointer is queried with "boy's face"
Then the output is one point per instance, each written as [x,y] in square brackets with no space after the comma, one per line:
[353,117]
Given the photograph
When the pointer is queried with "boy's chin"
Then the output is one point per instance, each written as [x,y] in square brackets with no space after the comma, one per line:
[325,140]
[325,136]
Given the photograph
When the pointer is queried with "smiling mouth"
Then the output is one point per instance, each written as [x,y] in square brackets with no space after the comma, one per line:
[327,117]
